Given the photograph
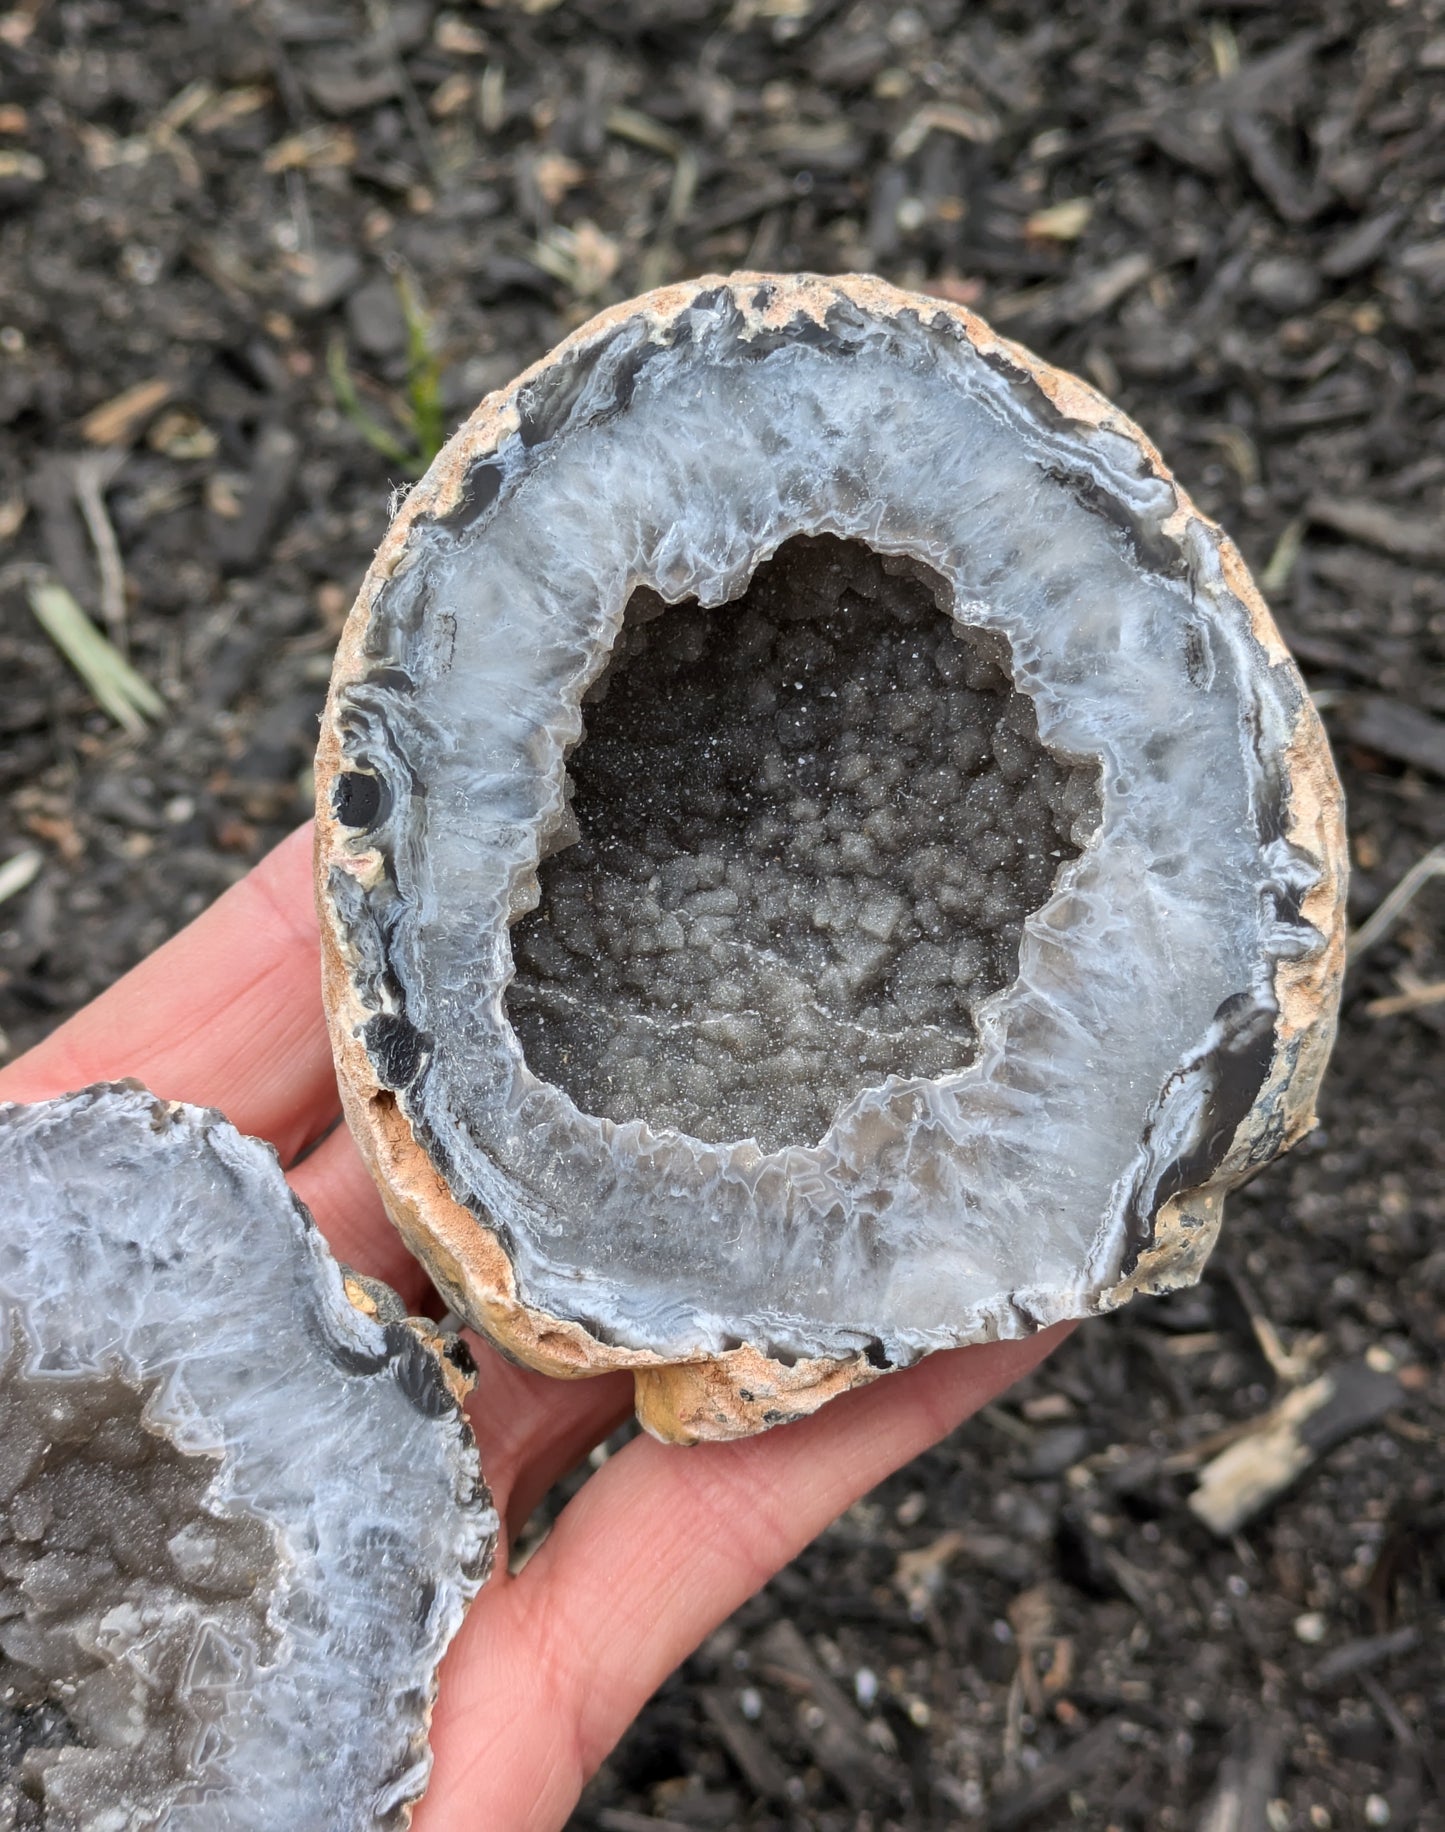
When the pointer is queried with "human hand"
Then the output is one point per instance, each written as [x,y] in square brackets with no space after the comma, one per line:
[661,1544]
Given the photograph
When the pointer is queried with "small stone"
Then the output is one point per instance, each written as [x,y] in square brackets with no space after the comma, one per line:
[182,435]
[375,318]
[1055,1450]
[1285,283]
[21,176]
[321,279]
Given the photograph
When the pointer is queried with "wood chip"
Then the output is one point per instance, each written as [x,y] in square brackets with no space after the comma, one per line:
[759,1767]
[121,419]
[974,124]
[458,39]
[241,544]
[829,1723]
[1412,998]
[18,167]
[554,175]
[642,130]
[618,1819]
[19,873]
[1256,1469]
[1408,537]
[1360,247]
[1295,199]
[1064,222]
[919,1573]
[451,96]
[1051,1781]
[1247,1781]
[230,106]
[1359,1656]
[1076,301]
[1394,729]
[314,150]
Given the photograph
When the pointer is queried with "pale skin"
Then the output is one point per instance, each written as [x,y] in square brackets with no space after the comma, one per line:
[660,1544]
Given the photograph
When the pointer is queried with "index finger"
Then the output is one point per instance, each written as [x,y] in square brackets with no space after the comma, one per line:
[659,1546]
[227,1014]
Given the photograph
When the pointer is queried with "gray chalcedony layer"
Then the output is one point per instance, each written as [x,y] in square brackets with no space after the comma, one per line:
[242,1519]
[1110,1074]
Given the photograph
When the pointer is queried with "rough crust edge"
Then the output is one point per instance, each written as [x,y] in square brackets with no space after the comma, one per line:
[730,1396]
[744,1391]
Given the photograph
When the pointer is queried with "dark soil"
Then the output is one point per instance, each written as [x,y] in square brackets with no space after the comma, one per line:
[1233,220]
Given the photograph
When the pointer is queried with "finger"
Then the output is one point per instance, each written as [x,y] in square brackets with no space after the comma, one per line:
[335,1185]
[227,1014]
[532,1429]
[659,1547]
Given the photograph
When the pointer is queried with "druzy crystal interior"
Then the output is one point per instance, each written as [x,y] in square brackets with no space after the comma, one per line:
[902,1035]
[108,1546]
[810,825]
[241,1519]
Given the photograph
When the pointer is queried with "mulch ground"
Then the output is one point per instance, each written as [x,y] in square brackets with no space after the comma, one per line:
[254,252]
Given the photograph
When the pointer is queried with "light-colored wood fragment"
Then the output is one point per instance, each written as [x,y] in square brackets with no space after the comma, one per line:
[124,417]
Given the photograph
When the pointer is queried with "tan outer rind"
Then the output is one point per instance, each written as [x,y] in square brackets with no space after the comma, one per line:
[743,1391]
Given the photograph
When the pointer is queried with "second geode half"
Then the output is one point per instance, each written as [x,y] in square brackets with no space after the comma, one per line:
[241,1513]
[823,854]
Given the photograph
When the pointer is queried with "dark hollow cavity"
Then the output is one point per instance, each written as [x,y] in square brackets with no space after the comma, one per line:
[810,824]
[123,1602]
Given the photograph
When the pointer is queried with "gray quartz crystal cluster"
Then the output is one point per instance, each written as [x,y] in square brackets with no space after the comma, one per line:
[240,1519]
[808,836]
[822,849]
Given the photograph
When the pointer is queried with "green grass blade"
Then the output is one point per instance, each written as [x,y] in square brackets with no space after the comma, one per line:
[424,372]
[349,401]
[127,696]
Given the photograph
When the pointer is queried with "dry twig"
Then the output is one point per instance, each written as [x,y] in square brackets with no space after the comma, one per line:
[93,473]
[1398,901]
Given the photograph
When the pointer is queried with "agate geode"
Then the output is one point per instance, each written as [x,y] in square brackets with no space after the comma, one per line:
[240,1510]
[823,854]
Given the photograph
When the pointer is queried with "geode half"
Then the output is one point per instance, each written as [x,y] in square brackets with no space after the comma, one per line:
[243,1513]
[823,854]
